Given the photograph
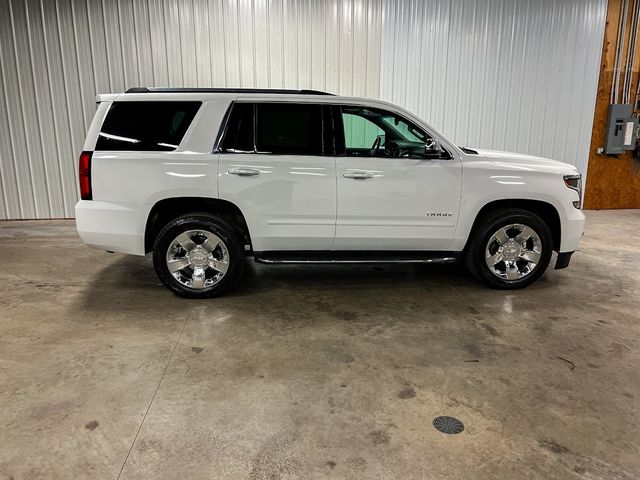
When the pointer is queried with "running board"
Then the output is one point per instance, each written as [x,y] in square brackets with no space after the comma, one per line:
[347,256]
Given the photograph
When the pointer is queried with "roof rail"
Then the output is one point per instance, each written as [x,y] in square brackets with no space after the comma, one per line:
[225,90]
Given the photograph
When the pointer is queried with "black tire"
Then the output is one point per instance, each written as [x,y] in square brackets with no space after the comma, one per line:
[490,224]
[206,222]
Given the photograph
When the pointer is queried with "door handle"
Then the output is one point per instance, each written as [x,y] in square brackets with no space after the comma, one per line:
[358,175]
[244,172]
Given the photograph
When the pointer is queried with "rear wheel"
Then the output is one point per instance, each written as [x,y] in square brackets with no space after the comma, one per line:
[510,249]
[198,256]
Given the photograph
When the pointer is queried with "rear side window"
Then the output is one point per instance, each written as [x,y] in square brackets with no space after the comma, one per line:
[148,126]
[239,134]
[275,128]
[289,129]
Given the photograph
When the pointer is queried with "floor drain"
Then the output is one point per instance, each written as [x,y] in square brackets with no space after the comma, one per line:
[448,425]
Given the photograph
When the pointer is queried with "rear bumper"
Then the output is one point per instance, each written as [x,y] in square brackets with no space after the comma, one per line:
[117,227]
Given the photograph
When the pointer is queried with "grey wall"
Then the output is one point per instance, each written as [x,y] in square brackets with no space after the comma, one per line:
[516,74]
[56,55]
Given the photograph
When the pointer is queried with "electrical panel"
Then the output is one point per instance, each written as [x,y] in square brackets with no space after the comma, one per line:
[622,129]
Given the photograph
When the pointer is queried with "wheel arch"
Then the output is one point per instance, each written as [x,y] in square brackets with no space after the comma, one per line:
[167,209]
[546,211]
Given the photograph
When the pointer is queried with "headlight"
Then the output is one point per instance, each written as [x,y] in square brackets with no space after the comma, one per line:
[574,182]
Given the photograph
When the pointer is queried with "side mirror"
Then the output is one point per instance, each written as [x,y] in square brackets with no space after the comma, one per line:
[432,147]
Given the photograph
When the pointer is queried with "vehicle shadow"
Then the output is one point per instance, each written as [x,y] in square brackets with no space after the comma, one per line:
[129,280]
[344,278]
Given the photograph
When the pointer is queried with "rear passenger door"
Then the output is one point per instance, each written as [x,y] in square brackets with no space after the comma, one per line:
[277,166]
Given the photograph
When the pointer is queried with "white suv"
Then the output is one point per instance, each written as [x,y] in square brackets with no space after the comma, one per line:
[205,177]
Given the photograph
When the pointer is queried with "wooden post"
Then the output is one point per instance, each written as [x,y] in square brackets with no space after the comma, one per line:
[612,182]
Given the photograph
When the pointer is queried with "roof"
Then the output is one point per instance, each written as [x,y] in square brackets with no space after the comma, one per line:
[225,90]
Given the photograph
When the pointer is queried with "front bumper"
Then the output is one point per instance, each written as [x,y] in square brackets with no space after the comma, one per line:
[563,260]
[572,229]
[116,227]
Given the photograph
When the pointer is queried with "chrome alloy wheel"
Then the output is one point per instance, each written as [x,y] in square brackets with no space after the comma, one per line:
[513,252]
[198,259]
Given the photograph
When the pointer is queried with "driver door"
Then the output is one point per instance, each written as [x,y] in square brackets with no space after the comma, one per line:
[387,202]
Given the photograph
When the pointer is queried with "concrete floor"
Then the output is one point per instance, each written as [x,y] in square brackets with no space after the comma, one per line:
[317,372]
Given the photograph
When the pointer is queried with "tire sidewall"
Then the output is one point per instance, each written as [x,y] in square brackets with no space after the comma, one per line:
[198,222]
[493,225]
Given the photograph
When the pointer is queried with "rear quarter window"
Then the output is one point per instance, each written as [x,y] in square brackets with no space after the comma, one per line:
[146,126]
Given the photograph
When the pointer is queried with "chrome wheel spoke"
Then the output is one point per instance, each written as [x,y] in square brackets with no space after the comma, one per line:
[210,244]
[495,259]
[184,239]
[531,256]
[219,266]
[512,271]
[198,278]
[177,264]
[501,236]
[524,235]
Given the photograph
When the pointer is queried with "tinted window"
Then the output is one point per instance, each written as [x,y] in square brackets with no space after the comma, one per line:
[289,128]
[238,136]
[150,126]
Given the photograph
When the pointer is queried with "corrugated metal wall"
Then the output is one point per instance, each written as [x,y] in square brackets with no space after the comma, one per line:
[516,75]
[56,55]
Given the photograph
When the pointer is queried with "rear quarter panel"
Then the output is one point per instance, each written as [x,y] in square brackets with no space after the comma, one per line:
[144,178]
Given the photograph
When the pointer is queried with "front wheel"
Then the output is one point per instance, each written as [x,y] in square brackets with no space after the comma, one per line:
[510,249]
[198,256]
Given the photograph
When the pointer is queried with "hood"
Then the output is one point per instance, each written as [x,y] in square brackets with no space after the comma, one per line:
[521,161]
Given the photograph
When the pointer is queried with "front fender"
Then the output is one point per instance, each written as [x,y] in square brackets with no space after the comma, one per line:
[483,184]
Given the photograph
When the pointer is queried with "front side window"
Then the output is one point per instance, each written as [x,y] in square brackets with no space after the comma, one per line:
[360,134]
[372,132]
[146,126]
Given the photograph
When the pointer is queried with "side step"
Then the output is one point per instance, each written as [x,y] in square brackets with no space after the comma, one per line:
[346,256]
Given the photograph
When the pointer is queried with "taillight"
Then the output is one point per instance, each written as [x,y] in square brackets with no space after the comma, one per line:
[85,176]
[574,182]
